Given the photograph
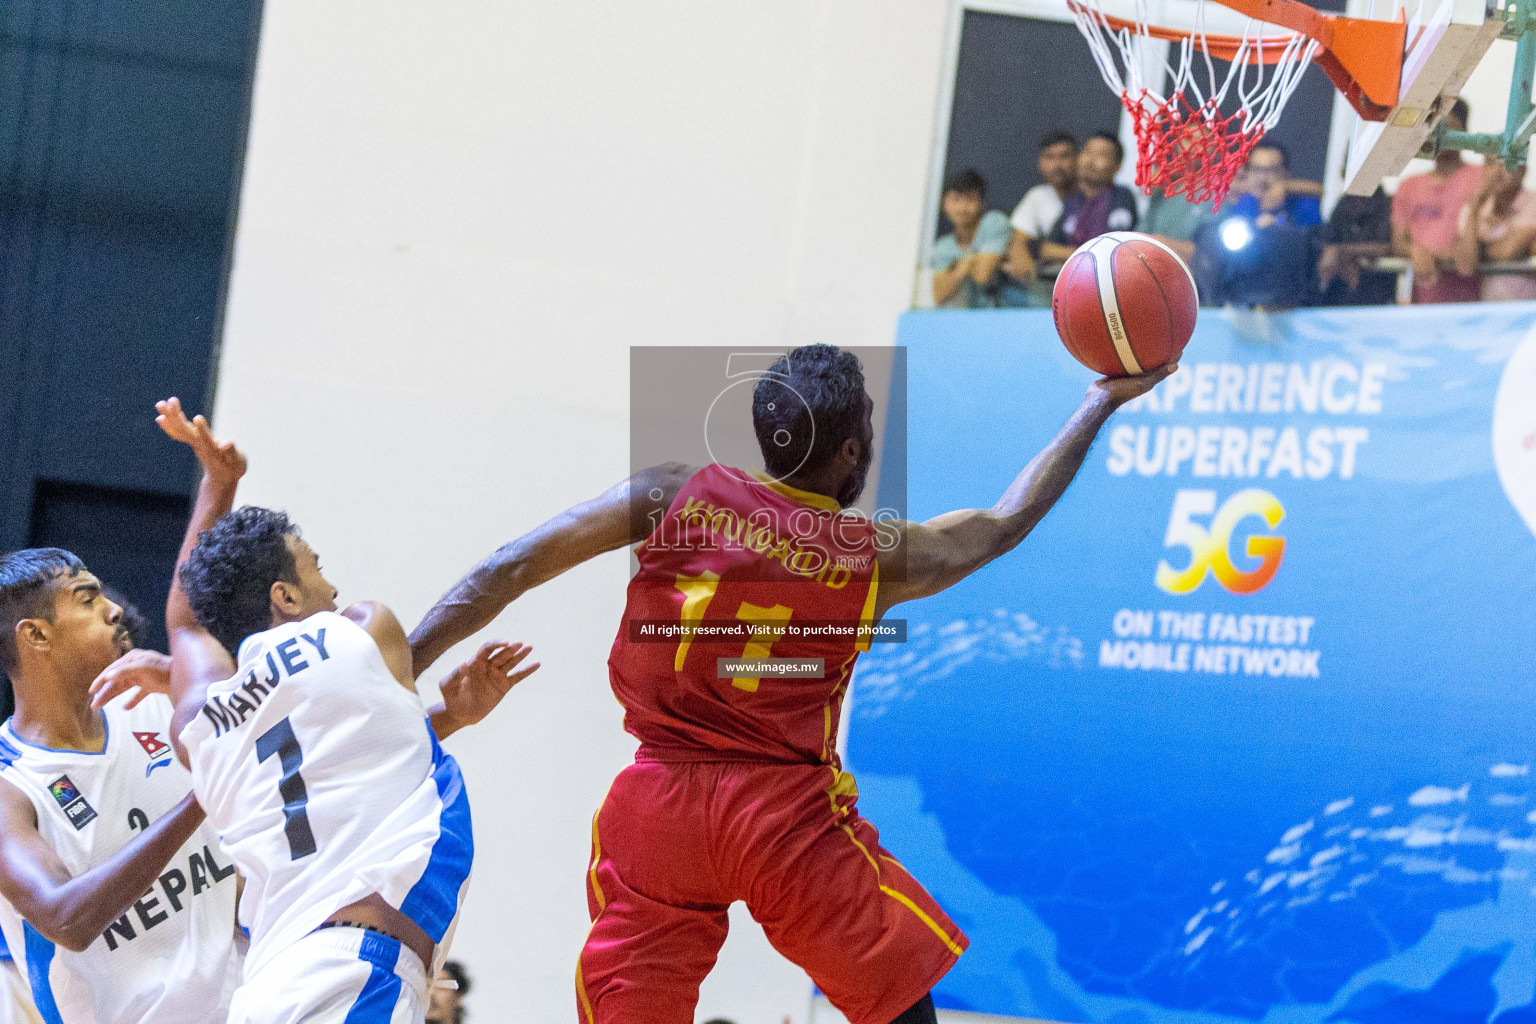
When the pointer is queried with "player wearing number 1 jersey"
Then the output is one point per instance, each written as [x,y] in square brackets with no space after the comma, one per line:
[314,759]
[736,792]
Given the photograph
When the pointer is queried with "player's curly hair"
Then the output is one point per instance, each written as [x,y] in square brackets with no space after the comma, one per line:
[228,577]
[808,403]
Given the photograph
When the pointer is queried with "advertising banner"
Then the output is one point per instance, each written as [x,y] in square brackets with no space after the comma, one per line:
[1245,729]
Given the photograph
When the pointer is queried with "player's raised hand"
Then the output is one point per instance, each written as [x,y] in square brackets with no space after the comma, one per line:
[1123,389]
[221,460]
[140,672]
[472,691]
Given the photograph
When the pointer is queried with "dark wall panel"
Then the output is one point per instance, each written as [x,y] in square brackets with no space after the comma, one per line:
[126,537]
[1017,79]
[122,132]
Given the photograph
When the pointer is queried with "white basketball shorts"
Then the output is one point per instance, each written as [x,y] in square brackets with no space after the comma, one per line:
[337,975]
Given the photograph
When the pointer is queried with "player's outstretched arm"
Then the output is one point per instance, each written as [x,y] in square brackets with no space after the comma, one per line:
[380,623]
[943,551]
[626,514]
[74,911]
[197,659]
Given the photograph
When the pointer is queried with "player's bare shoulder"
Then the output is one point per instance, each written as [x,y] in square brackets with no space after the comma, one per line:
[659,484]
[651,492]
[369,613]
[379,622]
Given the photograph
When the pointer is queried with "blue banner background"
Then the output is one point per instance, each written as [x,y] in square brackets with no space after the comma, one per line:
[1134,845]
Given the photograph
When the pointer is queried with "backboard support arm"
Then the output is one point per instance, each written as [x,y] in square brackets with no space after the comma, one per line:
[1513,144]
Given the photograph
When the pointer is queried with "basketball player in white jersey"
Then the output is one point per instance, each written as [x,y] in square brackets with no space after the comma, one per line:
[312,754]
[118,907]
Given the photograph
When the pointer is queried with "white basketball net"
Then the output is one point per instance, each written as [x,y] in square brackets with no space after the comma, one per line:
[1185,144]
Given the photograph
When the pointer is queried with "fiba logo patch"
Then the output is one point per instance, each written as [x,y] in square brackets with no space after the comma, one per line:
[158,751]
[76,809]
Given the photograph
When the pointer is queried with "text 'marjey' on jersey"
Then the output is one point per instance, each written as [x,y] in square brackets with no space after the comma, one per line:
[734,564]
[326,784]
[171,958]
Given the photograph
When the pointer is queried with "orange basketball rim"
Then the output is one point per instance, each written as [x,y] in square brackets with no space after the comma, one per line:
[1189,140]
[1361,56]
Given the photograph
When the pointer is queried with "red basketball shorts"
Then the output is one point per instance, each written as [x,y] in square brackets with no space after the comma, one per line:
[675,844]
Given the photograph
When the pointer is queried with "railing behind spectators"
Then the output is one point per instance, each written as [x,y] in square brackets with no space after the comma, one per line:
[1404,270]
[1396,265]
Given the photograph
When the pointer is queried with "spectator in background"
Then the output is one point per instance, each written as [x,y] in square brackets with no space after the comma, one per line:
[1425,214]
[445,1003]
[1498,223]
[1096,205]
[1360,230]
[1034,217]
[1175,221]
[1265,195]
[965,261]
[1262,254]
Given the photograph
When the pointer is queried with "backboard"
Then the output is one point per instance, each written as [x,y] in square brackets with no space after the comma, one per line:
[1445,42]
[1398,64]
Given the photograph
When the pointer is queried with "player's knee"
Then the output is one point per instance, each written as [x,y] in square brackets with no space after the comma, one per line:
[920,1012]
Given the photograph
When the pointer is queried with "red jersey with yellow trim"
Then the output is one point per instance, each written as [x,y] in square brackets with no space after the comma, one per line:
[739,569]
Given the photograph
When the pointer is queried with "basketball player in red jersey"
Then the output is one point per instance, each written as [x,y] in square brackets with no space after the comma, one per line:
[736,792]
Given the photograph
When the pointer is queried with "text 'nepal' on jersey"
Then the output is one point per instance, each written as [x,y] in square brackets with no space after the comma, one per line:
[172,958]
[326,784]
[741,568]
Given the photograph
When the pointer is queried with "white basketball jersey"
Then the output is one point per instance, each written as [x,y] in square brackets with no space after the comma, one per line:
[15,997]
[172,958]
[326,785]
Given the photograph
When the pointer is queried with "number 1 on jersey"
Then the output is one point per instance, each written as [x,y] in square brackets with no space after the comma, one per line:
[281,741]
[698,591]
[766,622]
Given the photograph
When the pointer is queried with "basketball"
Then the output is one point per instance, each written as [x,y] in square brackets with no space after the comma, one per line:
[1125,303]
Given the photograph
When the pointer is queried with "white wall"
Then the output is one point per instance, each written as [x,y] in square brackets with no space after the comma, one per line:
[456,218]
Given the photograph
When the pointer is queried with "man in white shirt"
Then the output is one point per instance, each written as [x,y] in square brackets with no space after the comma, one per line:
[1033,217]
